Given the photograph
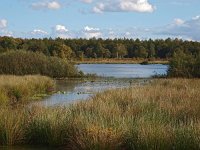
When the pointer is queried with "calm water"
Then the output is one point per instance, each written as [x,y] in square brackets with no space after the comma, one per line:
[124,70]
[124,75]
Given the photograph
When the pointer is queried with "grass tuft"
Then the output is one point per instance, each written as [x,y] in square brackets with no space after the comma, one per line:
[22,89]
[162,115]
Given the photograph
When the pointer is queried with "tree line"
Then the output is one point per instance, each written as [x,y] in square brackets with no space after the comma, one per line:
[101,48]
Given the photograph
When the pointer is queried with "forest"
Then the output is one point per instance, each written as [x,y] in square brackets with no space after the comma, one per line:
[101,48]
[56,57]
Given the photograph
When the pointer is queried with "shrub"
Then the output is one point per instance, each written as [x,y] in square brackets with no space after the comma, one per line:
[30,63]
[184,65]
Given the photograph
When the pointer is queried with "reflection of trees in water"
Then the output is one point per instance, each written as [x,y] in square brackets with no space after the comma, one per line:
[90,86]
[72,90]
[67,85]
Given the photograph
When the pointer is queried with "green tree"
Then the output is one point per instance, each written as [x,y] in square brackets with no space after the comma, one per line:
[120,50]
[151,52]
[8,43]
[80,55]
[141,52]
[60,50]
[182,65]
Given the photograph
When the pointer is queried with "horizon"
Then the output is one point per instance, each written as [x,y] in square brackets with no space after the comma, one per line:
[106,19]
[104,39]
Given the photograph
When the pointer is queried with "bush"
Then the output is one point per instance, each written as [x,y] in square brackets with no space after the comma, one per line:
[29,63]
[184,65]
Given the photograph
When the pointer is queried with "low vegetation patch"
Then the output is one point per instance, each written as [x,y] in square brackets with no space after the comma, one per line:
[162,115]
[19,89]
[30,63]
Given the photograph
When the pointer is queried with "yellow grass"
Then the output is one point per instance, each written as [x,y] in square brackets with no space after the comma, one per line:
[162,115]
[14,89]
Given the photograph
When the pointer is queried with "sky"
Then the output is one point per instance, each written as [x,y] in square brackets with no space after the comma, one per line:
[142,19]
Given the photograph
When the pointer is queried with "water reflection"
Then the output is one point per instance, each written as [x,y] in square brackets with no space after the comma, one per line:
[125,75]
[70,91]
[124,70]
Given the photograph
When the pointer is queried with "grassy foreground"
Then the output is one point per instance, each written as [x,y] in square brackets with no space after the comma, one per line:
[19,89]
[162,115]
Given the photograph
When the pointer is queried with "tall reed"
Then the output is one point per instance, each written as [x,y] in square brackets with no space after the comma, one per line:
[162,115]
[14,89]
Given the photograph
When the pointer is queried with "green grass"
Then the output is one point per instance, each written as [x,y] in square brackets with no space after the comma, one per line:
[162,115]
[18,89]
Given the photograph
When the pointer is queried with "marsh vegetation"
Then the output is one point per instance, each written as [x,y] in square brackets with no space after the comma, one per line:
[23,89]
[161,115]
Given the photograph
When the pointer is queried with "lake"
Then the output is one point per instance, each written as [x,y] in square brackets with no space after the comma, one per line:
[112,76]
[124,70]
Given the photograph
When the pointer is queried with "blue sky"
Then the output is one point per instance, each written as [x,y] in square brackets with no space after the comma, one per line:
[101,18]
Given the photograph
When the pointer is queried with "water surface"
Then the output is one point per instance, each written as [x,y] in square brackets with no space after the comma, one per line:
[73,90]
[124,70]
[123,75]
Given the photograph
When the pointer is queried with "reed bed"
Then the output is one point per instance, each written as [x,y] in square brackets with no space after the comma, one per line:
[17,89]
[162,115]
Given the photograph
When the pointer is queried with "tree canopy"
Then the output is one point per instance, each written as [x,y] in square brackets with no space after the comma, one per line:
[101,48]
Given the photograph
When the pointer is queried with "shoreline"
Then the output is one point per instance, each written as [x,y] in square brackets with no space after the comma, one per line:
[120,61]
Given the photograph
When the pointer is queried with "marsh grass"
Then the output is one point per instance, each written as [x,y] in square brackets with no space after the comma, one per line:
[16,89]
[162,115]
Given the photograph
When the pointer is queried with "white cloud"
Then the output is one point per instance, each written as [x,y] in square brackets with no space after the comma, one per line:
[3,23]
[39,32]
[123,6]
[196,18]
[61,29]
[53,5]
[6,33]
[189,29]
[87,1]
[178,21]
[127,34]
[90,29]
[62,32]
[3,28]
[90,32]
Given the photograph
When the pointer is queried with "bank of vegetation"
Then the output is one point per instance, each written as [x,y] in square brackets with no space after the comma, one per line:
[23,89]
[30,63]
[185,65]
[121,61]
[162,115]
